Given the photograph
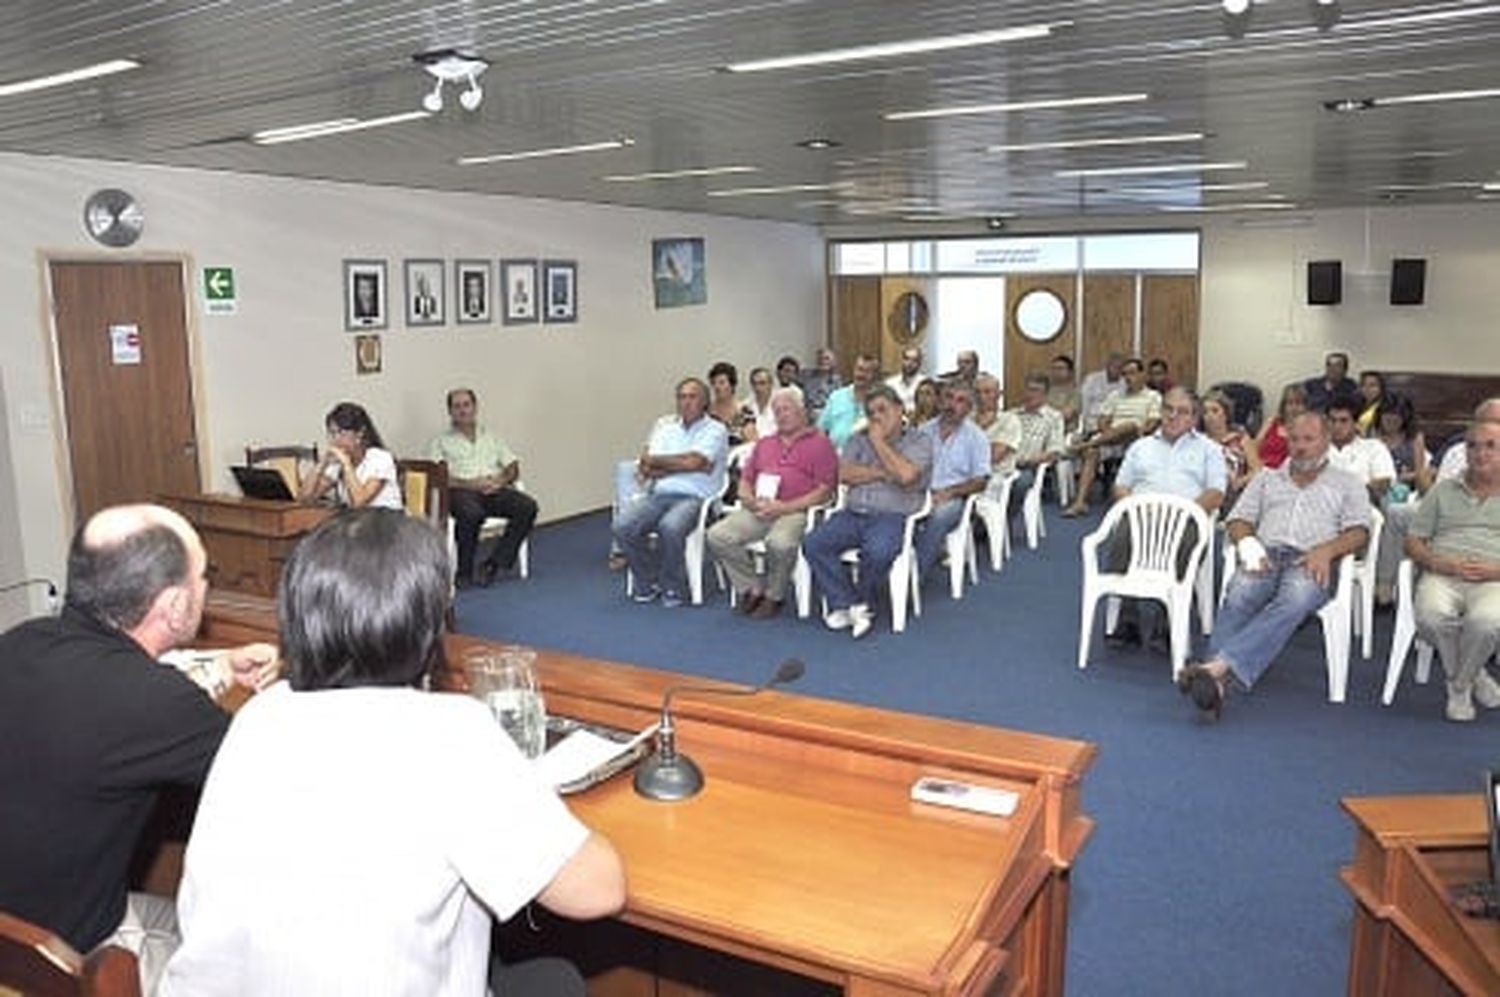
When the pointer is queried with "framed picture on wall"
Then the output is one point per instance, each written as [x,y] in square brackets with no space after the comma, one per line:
[425,290]
[364,294]
[518,286]
[367,359]
[471,284]
[560,285]
[677,272]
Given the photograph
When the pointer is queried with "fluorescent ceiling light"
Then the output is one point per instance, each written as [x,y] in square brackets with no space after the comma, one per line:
[1130,171]
[319,129]
[1427,17]
[71,76]
[1434,98]
[890,50]
[1492,187]
[702,171]
[1243,206]
[794,188]
[1447,185]
[1094,143]
[562,150]
[1045,104]
[1205,188]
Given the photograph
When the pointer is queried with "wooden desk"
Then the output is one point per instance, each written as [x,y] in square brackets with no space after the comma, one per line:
[1408,938]
[805,853]
[248,540]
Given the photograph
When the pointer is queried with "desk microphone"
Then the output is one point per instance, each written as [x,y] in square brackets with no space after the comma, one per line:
[670,775]
[29,582]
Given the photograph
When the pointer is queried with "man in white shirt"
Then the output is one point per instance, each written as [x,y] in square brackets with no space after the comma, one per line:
[1367,459]
[1127,414]
[1099,385]
[905,382]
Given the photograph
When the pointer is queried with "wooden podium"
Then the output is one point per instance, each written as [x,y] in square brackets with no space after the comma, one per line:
[248,540]
[1409,939]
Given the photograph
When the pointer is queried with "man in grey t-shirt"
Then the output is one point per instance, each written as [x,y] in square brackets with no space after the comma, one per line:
[886,469]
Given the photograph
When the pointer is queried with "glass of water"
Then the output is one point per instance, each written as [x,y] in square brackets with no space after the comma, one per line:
[505,679]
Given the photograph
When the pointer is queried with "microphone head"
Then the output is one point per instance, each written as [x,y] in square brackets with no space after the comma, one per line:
[789,670]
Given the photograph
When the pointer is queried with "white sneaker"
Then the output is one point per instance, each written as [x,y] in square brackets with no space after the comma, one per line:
[1460,705]
[1486,690]
[837,619]
[860,620]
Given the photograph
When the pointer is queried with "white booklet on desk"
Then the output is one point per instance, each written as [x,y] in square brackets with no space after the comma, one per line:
[585,757]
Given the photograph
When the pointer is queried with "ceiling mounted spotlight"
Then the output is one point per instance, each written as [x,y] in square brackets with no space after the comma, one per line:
[451,66]
[1234,8]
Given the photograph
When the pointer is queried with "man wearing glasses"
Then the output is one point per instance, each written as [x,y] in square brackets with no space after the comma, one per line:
[1454,539]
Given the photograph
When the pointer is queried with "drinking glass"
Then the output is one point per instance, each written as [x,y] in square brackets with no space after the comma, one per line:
[505,679]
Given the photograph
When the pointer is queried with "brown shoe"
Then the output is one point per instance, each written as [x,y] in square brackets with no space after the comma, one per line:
[747,601]
[765,609]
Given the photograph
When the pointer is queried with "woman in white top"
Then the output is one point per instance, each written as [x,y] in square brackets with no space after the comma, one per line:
[356,464]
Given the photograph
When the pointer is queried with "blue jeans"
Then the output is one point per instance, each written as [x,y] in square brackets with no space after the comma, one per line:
[1262,610]
[929,543]
[672,518]
[877,535]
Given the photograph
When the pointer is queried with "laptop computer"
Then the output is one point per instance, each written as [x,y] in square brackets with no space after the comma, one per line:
[262,483]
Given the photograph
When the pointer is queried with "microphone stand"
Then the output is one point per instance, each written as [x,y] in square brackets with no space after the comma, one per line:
[670,775]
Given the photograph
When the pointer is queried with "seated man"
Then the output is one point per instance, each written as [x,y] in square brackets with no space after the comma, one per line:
[1062,394]
[1001,429]
[1290,528]
[885,467]
[417,820]
[960,468]
[1454,538]
[1335,382]
[1174,460]
[786,473]
[1042,435]
[93,727]
[482,476]
[1131,412]
[681,467]
[820,382]
[844,412]
[904,382]
[1367,459]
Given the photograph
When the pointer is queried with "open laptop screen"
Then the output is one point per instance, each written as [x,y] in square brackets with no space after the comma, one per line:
[262,483]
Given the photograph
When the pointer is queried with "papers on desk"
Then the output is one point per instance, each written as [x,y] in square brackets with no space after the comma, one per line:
[587,756]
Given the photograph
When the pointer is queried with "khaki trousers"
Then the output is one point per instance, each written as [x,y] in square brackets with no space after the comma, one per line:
[783,536]
[1462,620]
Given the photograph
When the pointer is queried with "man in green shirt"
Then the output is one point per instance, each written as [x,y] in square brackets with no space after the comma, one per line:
[482,476]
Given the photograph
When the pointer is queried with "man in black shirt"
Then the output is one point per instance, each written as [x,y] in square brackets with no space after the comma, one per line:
[92,727]
[1334,384]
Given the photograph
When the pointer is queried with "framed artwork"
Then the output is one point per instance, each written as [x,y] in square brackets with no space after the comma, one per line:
[560,285]
[677,272]
[367,358]
[471,284]
[425,288]
[364,294]
[518,286]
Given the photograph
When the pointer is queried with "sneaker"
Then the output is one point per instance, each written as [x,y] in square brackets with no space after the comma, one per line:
[1486,690]
[860,620]
[837,619]
[647,594]
[671,599]
[1460,705]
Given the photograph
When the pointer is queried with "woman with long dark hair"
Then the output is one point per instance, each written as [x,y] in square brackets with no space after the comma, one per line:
[357,466]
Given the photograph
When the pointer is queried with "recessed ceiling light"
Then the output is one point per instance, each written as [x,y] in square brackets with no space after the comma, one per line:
[890,50]
[1095,143]
[1243,206]
[1349,105]
[71,76]
[793,188]
[701,171]
[816,144]
[1045,104]
[1129,171]
[561,150]
[320,129]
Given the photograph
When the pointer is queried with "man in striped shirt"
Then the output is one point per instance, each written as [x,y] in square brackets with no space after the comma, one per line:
[1289,528]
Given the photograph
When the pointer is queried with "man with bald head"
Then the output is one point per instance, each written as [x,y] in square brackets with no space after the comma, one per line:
[92,726]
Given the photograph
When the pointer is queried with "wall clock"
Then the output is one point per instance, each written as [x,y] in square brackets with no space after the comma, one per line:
[113,217]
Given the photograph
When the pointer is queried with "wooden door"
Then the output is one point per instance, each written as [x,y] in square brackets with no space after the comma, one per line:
[127,395]
[896,322]
[856,320]
[1169,323]
[1108,319]
[1022,356]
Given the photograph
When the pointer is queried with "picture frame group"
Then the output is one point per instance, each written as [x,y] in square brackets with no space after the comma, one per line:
[527,291]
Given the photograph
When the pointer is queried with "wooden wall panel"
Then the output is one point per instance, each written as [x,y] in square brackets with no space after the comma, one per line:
[1108,319]
[856,319]
[1022,356]
[1169,323]
[892,288]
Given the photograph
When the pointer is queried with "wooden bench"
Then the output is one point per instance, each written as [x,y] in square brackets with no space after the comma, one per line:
[1444,403]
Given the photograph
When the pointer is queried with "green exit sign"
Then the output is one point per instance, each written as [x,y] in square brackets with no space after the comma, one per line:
[218,290]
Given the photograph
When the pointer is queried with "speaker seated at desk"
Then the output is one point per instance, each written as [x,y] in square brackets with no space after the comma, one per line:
[357,468]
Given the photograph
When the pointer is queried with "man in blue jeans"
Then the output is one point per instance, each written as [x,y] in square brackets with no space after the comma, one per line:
[886,468]
[960,468]
[682,466]
[1289,528]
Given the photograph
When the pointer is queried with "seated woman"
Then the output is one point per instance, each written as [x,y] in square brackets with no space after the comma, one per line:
[1271,443]
[1397,429]
[356,833]
[1241,458]
[1372,398]
[924,403]
[357,465]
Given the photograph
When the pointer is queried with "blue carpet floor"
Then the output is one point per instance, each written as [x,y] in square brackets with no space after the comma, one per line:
[1214,866]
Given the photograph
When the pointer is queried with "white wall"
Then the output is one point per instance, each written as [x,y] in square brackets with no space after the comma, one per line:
[569,399]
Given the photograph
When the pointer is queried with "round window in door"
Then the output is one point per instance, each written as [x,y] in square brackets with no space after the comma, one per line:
[1041,315]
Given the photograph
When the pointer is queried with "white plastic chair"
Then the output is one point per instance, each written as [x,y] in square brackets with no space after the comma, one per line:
[1031,507]
[1157,525]
[1364,587]
[494,527]
[1404,635]
[958,546]
[692,550]
[1334,618]
[990,506]
[903,575]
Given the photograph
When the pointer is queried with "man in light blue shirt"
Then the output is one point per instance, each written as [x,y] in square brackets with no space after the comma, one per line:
[960,468]
[682,465]
[845,409]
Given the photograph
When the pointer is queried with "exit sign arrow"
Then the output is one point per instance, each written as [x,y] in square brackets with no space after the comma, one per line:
[218,290]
